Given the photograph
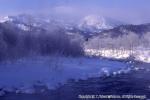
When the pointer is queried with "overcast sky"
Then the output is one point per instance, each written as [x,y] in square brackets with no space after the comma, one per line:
[132,11]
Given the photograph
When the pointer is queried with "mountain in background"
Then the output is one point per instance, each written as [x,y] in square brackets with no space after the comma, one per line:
[87,27]
[126,29]
[98,23]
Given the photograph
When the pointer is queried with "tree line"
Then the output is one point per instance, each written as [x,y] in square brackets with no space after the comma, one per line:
[15,43]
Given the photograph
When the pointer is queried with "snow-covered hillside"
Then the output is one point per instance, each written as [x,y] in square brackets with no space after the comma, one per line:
[5,19]
[140,55]
[22,75]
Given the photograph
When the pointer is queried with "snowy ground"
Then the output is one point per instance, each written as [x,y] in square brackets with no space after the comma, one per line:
[140,55]
[20,76]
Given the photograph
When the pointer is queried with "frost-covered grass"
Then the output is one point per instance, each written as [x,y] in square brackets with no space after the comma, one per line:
[139,54]
[21,75]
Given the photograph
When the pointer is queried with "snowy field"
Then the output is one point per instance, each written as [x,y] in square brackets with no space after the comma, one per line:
[22,75]
[139,54]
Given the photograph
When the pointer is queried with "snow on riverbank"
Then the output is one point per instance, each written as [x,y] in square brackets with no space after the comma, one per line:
[140,55]
[21,75]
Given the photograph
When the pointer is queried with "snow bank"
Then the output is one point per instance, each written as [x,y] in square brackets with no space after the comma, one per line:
[23,74]
[140,55]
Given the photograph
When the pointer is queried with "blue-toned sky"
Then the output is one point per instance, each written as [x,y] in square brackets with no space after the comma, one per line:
[134,11]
